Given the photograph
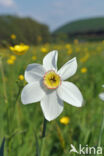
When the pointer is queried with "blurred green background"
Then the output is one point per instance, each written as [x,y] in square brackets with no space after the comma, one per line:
[31,39]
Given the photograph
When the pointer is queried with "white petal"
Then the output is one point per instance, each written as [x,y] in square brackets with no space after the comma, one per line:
[101,96]
[68,69]
[103,86]
[70,93]
[52,106]
[50,60]
[32,93]
[34,72]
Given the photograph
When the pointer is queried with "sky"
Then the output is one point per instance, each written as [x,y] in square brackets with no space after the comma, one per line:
[54,13]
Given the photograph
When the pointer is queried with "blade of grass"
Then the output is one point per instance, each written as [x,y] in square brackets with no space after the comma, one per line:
[101,131]
[37,146]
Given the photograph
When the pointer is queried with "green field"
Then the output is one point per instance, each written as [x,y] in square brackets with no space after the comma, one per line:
[21,125]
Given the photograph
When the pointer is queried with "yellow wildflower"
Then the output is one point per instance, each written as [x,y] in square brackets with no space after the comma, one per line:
[44,50]
[86,49]
[10,61]
[34,58]
[70,51]
[85,58]
[98,48]
[39,38]
[103,41]
[68,46]
[19,49]
[13,57]
[83,70]
[21,77]
[77,49]
[13,36]
[76,41]
[65,120]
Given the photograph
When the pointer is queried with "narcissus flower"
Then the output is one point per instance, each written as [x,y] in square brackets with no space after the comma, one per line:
[101,95]
[19,49]
[48,85]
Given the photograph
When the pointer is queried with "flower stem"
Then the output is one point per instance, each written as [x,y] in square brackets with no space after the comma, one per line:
[2,147]
[44,128]
[43,137]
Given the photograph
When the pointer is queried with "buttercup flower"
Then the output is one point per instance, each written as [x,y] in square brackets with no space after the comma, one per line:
[76,41]
[69,51]
[13,36]
[65,120]
[12,57]
[43,50]
[83,70]
[85,58]
[101,95]
[39,38]
[68,46]
[77,49]
[19,49]
[34,58]
[10,61]
[46,84]
[21,77]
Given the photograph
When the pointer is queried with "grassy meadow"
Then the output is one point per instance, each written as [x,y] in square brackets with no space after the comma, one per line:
[21,125]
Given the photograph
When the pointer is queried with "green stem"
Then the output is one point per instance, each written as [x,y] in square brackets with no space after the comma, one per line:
[44,128]
[2,147]
[17,107]
[43,137]
[19,91]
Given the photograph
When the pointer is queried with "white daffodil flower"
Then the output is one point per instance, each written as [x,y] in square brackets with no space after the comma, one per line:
[46,84]
[101,95]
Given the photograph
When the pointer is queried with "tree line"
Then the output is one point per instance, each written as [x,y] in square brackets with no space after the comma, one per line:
[26,30]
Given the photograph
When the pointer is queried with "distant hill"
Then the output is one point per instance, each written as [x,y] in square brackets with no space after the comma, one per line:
[86,28]
[26,30]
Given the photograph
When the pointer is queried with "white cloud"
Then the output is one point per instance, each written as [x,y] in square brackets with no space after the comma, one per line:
[7,3]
